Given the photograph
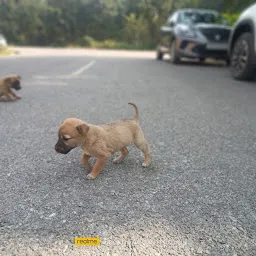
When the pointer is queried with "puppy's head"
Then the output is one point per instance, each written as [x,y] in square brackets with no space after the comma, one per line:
[13,81]
[71,134]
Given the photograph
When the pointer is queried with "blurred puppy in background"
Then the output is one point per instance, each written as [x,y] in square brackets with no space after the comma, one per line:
[8,83]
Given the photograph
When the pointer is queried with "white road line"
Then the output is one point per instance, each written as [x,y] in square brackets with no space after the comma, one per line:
[64,77]
[45,79]
[45,82]
[82,69]
[51,77]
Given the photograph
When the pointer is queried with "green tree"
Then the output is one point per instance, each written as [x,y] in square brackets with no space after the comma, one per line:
[63,22]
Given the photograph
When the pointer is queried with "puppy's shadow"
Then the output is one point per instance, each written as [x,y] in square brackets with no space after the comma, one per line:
[131,166]
[6,101]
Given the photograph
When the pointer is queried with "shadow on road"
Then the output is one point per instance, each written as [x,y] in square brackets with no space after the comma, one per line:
[206,64]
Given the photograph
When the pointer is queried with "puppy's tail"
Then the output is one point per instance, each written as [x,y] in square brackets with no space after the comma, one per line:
[136,117]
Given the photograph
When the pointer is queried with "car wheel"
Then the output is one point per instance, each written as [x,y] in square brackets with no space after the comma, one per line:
[159,55]
[201,60]
[173,53]
[227,60]
[241,58]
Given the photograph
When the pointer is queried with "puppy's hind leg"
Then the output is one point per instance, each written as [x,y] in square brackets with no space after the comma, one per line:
[124,153]
[1,98]
[142,145]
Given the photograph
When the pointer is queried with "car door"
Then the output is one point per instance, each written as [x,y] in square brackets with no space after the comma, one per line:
[166,33]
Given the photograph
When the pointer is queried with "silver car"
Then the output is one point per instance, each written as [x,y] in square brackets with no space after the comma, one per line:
[242,45]
[194,33]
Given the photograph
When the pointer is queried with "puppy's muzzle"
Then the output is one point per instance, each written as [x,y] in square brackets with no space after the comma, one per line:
[61,148]
[16,85]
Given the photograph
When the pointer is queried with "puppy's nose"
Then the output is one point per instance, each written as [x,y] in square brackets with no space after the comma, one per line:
[57,149]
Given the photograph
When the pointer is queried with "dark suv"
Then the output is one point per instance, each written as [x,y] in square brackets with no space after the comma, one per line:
[242,45]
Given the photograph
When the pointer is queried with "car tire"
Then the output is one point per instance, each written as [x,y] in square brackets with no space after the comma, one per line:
[201,60]
[159,55]
[227,60]
[173,53]
[242,67]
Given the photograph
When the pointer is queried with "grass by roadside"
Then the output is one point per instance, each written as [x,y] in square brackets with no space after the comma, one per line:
[5,51]
[89,42]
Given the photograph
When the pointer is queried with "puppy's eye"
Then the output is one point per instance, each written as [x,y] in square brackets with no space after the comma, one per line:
[66,139]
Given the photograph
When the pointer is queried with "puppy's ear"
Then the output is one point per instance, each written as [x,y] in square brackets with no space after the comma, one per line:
[82,129]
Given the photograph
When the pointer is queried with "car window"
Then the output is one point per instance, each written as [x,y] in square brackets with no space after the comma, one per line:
[201,17]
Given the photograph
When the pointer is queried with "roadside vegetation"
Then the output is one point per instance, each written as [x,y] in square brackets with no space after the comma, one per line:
[111,24]
[5,51]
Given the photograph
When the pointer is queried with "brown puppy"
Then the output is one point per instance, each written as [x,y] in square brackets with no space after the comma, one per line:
[7,84]
[101,141]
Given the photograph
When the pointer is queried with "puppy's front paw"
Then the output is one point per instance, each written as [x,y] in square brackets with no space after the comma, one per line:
[144,164]
[90,177]
[117,160]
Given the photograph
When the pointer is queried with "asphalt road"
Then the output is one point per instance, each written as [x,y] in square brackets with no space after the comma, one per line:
[197,198]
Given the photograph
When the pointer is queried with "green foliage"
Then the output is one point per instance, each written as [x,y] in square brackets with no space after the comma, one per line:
[4,51]
[230,6]
[87,41]
[97,23]
[231,18]
[136,30]
[233,6]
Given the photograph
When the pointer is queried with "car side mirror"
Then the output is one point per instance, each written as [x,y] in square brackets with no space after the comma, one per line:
[165,29]
[172,23]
